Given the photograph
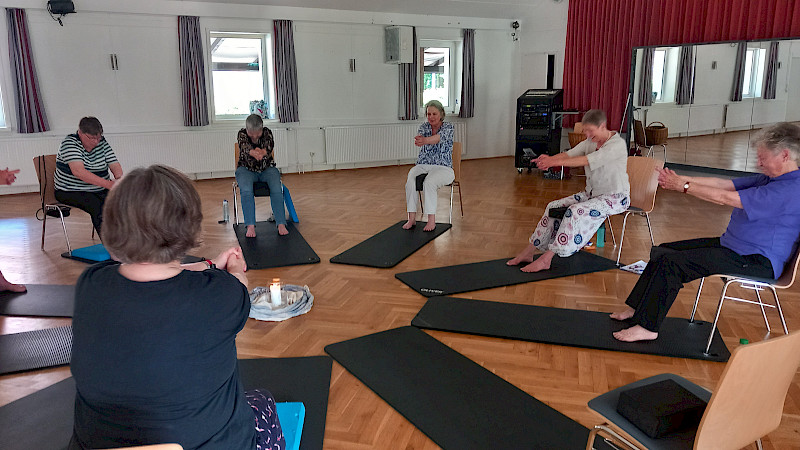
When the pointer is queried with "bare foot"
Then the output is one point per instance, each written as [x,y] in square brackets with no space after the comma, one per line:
[251,231]
[410,224]
[431,225]
[623,315]
[11,287]
[635,333]
[541,263]
[525,256]
[281,230]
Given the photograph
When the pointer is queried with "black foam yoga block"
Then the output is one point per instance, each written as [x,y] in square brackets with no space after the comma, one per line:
[558,213]
[661,408]
[421,181]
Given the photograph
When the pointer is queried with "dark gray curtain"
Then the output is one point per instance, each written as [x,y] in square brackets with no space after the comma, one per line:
[193,72]
[30,109]
[684,94]
[771,73]
[468,75]
[738,72]
[409,91]
[646,78]
[285,72]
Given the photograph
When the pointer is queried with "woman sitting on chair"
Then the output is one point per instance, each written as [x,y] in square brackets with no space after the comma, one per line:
[154,348]
[257,163]
[435,139]
[604,157]
[760,238]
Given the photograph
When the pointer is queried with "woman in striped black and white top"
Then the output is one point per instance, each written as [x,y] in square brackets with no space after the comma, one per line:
[84,166]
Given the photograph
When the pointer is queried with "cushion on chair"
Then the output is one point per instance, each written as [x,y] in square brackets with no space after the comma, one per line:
[421,181]
[53,212]
[661,408]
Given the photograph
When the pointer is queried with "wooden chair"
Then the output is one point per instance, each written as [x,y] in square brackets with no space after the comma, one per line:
[45,166]
[643,179]
[746,405]
[260,189]
[576,136]
[456,181]
[640,138]
[756,284]
[151,447]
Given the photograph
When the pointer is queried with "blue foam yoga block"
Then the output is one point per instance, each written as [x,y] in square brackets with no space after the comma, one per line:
[93,253]
[291,415]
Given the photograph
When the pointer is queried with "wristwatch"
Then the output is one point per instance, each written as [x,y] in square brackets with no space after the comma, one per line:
[686,187]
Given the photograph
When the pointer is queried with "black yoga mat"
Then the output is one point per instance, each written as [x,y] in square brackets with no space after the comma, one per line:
[491,274]
[45,300]
[269,249]
[453,400]
[390,246]
[35,349]
[43,420]
[589,329]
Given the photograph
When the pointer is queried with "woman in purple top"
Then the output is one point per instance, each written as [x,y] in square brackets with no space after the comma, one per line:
[761,235]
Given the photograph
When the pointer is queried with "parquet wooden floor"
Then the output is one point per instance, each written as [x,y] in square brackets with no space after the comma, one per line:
[341,208]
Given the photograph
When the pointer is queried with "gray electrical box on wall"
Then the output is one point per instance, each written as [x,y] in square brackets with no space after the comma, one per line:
[398,44]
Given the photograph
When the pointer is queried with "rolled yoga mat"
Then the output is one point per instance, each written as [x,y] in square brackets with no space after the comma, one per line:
[588,329]
[389,247]
[491,274]
[453,400]
[43,420]
[269,249]
[42,300]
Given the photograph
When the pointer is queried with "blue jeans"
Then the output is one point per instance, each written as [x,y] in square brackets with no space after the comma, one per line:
[272,176]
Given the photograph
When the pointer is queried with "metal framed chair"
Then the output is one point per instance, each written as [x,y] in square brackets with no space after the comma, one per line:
[260,189]
[643,179]
[785,281]
[456,181]
[746,405]
[45,166]
[640,138]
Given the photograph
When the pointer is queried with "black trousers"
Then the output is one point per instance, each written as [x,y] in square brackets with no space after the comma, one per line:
[91,202]
[675,263]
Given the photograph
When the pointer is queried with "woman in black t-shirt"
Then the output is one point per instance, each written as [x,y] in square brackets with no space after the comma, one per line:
[154,351]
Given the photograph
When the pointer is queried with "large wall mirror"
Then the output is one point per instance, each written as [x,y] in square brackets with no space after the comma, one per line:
[714,97]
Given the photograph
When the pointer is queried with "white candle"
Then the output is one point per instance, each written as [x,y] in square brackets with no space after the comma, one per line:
[275,292]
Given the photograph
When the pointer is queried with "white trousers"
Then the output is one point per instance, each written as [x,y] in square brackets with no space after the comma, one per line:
[438,176]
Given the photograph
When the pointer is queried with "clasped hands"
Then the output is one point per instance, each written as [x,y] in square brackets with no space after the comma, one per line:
[231,260]
[668,179]
[258,153]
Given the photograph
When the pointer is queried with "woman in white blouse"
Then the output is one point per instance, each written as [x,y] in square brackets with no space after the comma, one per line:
[604,156]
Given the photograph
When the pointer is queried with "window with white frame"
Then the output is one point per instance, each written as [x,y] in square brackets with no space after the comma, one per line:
[753,72]
[241,73]
[438,73]
[665,74]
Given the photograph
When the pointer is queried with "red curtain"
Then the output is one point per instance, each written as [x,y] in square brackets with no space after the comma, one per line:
[601,35]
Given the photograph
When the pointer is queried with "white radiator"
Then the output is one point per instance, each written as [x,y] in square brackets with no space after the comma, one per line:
[375,143]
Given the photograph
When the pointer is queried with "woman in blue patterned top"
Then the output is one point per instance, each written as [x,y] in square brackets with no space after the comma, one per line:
[435,139]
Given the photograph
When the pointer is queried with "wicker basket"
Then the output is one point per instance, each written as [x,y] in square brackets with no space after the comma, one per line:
[575,139]
[656,133]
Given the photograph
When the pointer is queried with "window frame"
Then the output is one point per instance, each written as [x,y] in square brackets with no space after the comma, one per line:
[268,71]
[669,75]
[456,67]
[755,82]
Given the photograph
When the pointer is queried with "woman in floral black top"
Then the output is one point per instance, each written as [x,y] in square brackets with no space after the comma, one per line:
[257,163]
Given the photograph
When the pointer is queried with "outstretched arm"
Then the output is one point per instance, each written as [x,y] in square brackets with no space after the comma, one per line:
[714,190]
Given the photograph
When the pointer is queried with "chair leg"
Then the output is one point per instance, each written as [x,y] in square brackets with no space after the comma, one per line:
[421,206]
[650,229]
[697,299]
[235,209]
[716,317]
[64,226]
[763,311]
[611,229]
[780,310]
[93,233]
[759,445]
[44,225]
[451,203]
[460,200]
[622,237]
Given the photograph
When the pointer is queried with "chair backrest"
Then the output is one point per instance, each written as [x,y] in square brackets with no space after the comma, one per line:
[748,401]
[790,269]
[643,178]
[638,133]
[236,155]
[457,161]
[45,166]
[578,128]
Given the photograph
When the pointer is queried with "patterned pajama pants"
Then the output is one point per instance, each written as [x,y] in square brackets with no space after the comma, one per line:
[584,216]
[269,435]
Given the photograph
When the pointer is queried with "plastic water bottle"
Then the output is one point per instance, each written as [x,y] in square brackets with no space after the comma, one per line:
[225,214]
[601,235]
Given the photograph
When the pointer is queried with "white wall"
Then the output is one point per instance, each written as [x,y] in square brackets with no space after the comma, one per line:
[143,97]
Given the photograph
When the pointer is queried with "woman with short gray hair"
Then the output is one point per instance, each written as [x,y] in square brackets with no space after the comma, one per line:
[761,237]
[257,163]
[435,139]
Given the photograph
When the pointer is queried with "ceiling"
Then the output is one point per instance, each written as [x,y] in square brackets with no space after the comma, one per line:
[493,9]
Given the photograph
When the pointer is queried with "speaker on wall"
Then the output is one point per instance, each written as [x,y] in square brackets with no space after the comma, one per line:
[60,7]
[398,44]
